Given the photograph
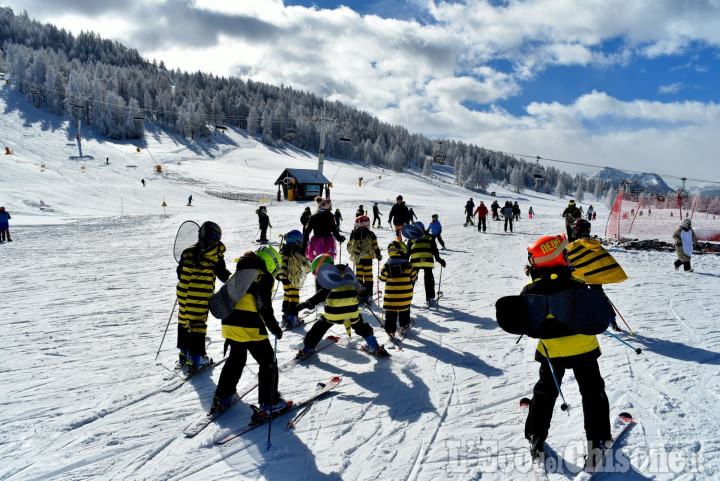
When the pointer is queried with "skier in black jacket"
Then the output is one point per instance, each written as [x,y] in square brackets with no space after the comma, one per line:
[399,216]
[376,215]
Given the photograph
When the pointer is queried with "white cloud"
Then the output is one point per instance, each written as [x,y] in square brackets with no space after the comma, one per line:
[670,89]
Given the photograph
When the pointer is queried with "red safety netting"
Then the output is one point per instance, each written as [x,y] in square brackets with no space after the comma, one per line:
[647,217]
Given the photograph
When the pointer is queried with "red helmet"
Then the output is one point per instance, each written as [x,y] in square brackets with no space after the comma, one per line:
[362,221]
[548,251]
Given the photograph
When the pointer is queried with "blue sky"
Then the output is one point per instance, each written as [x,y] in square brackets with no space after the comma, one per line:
[607,82]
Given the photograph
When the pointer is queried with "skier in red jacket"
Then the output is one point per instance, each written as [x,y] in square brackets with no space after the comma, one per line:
[481,212]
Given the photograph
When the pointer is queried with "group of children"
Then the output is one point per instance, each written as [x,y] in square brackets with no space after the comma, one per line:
[342,290]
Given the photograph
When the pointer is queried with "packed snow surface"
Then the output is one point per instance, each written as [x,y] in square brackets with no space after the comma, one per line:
[88,286]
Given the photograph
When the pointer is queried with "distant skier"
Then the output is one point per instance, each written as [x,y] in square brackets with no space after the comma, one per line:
[591,211]
[4,225]
[339,290]
[591,262]
[398,216]
[399,278]
[199,265]
[495,207]
[189,200]
[295,267]
[360,211]
[363,248]
[305,217]
[143,182]
[531,212]
[338,218]
[376,215]
[685,240]
[423,254]
[516,211]
[412,217]
[469,208]
[482,213]
[435,230]
[507,212]
[263,223]
[550,274]
[246,330]
[325,232]
[571,214]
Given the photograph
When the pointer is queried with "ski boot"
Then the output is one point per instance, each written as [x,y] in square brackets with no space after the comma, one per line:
[404,331]
[183,360]
[198,363]
[265,411]
[373,347]
[293,321]
[431,302]
[536,446]
[304,353]
[595,453]
[221,404]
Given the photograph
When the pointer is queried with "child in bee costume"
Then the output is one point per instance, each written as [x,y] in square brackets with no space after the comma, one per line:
[339,290]
[551,308]
[246,330]
[363,248]
[199,266]
[292,274]
[591,262]
[399,278]
[423,254]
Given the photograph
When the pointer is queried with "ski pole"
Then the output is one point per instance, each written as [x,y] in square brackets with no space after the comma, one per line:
[378,281]
[439,292]
[636,349]
[166,328]
[282,239]
[564,406]
[392,338]
[621,316]
[256,234]
[272,393]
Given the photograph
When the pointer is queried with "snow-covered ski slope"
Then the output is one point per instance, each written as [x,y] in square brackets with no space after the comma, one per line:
[87,292]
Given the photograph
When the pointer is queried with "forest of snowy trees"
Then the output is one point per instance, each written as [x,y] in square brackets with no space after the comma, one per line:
[114,90]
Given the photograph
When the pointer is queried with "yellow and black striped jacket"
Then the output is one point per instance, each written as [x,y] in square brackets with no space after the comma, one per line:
[423,251]
[398,285]
[295,267]
[254,310]
[197,283]
[341,304]
[592,263]
[570,348]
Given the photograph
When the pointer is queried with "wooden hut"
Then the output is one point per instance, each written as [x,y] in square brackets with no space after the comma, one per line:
[302,184]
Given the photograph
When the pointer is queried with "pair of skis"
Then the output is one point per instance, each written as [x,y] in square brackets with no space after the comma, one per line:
[206,419]
[620,426]
[305,404]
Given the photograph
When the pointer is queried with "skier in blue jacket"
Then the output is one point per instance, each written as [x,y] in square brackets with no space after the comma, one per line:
[435,229]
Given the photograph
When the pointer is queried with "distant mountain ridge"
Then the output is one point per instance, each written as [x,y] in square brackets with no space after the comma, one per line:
[650,183]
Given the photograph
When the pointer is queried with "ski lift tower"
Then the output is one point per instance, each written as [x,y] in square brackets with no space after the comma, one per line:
[538,172]
[321,153]
[439,156]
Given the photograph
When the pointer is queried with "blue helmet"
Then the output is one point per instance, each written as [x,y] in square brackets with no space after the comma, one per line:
[294,237]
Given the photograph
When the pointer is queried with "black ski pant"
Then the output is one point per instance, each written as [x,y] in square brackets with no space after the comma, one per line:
[482,225]
[263,233]
[262,352]
[290,308]
[377,218]
[596,407]
[508,220]
[569,230]
[194,342]
[438,238]
[429,280]
[686,264]
[316,333]
[391,318]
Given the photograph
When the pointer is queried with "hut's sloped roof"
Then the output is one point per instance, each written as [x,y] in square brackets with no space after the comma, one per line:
[304,176]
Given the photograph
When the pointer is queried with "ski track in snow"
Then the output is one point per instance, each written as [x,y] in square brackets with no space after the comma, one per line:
[88,292]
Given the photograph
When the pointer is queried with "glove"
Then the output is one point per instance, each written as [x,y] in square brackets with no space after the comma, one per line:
[275,329]
[304,305]
[270,225]
[341,239]
[379,257]
[441,262]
